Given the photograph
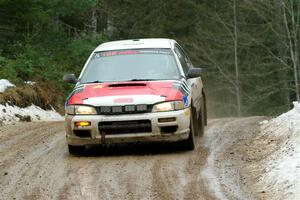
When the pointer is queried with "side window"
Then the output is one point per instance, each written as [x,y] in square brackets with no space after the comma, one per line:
[184,61]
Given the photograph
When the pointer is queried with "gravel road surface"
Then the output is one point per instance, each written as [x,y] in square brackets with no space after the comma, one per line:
[35,164]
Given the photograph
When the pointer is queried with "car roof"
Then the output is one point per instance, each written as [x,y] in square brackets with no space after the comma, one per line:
[136,44]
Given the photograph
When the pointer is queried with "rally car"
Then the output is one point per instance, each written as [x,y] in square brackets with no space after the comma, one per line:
[139,90]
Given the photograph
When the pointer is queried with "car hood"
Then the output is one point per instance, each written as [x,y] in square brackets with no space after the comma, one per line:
[128,93]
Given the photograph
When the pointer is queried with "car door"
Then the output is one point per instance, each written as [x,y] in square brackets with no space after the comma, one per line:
[195,84]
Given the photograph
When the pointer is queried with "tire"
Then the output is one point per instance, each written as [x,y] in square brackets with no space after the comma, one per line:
[76,150]
[201,120]
[189,144]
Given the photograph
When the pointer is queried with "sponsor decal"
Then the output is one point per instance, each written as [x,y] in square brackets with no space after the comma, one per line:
[182,86]
[131,52]
[185,101]
[114,53]
[187,113]
[123,100]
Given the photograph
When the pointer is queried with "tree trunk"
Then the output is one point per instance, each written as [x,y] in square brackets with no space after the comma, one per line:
[236,62]
[293,51]
[281,40]
[94,21]
[110,29]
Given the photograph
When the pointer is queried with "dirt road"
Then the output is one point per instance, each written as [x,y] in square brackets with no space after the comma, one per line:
[35,164]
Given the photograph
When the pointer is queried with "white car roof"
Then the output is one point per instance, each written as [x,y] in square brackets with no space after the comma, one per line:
[136,44]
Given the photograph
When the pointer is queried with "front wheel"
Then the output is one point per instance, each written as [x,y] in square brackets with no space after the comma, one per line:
[76,150]
[189,144]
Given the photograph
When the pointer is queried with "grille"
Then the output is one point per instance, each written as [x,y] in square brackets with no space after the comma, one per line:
[124,127]
[128,109]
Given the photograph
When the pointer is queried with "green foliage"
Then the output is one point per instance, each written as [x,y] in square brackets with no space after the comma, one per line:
[39,63]
[77,51]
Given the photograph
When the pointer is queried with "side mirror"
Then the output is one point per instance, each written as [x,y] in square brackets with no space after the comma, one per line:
[70,78]
[194,72]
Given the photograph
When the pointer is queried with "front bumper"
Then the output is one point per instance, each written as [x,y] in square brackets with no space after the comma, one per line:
[97,137]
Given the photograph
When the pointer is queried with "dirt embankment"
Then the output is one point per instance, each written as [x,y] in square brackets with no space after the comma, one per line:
[35,164]
[43,95]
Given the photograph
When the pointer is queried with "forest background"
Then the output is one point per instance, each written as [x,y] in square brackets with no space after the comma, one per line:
[250,48]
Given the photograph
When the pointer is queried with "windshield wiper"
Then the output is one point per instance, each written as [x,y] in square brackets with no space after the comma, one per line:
[88,82]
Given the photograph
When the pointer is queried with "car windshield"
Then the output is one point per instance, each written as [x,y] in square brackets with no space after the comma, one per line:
[131,65]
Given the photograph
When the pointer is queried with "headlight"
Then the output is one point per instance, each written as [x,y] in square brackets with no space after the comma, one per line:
[168,106]
[80,110]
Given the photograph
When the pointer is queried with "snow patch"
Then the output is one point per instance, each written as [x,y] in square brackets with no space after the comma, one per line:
[4,84]
[10,114]
[30,82]
[282,167]
[263,122]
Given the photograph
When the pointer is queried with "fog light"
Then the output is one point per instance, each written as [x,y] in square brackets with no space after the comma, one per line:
[82,124]
[170,119]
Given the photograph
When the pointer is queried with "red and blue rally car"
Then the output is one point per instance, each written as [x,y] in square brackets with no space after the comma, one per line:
[135,91]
